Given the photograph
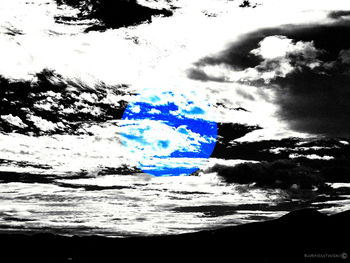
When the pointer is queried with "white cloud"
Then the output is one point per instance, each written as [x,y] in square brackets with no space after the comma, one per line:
[311,156]
[276,52]
[14,120]
[149,138]
[271,133]
[154,111]
[136,109]
[89,97]
[273,47]
[42,124]
[68,153]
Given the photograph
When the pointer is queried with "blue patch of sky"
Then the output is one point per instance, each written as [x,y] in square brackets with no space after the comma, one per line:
[170,171]
[206,129]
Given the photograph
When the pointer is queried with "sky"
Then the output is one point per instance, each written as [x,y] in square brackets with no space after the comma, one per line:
[270,61]
[94,103]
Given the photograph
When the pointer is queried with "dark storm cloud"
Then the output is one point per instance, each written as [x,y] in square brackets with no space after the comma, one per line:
[110,14]
[339,14]
[237,55]
[315,103]
[282,174]
[313,99]
[299,173]
[227,132]
[272,150]
[247,3]
[275,168]
[331,38]
[49,178]
[199,74]
[63,104]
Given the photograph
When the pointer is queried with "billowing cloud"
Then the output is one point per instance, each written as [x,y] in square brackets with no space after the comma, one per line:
[280,57]
[286,173]
[292,164]
[156,138]
[306,67]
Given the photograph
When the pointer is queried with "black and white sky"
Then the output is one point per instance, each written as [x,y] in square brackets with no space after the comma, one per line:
[284,64]
[274,75]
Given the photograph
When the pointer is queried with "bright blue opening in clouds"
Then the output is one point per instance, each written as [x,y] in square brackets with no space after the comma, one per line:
[173,134]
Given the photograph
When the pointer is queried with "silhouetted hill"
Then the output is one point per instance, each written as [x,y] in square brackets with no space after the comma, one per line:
[300,236]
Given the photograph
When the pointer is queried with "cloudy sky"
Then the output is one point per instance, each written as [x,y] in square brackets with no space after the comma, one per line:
[91,88]
[277,66]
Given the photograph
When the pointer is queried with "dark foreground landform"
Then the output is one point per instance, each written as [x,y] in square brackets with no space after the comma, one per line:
[300,236]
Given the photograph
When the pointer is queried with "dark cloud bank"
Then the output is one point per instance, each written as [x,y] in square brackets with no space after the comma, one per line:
[301,177]
[53,98]
[109,14]
[311,99]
